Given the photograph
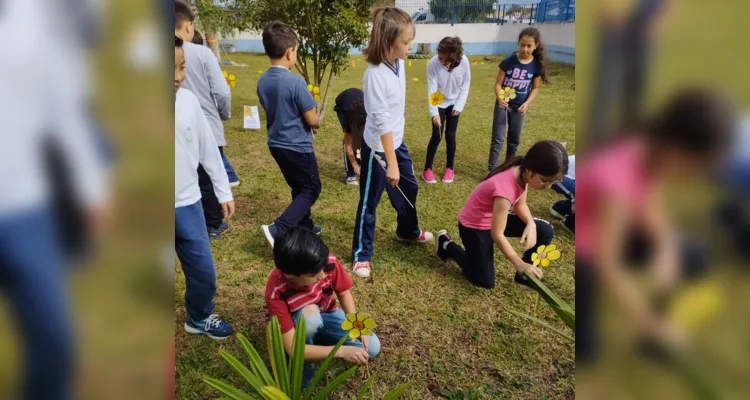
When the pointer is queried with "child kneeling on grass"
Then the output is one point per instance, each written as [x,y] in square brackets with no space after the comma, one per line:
[303,283]
[497,210]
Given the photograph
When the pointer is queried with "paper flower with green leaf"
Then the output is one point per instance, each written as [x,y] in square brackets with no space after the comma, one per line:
[507,94]
[436,98]
[545,254]
[314,91]
[230,78]
[358,324]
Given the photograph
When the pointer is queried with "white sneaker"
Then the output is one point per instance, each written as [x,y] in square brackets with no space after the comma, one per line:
[352,181]
[424,237]
[362,269]
[234,184]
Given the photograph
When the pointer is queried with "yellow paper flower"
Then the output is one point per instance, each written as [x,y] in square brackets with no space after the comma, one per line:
[696,304]
[545,254]
[314,91]
[436,98]
[358,324]
[508,93]
[230,78]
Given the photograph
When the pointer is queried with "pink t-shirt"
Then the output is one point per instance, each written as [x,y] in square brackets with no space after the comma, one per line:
[614,172]
[477,213]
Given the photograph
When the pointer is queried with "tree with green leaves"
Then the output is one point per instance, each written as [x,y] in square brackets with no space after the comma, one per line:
[327,29]
[221,17]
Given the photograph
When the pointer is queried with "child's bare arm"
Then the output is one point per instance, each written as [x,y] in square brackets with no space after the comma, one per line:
[349,149]
[347,302]
[499,87]
[311,118]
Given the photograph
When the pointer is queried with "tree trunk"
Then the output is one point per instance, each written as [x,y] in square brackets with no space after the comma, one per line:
[424,48]
[325,97]
[213,43]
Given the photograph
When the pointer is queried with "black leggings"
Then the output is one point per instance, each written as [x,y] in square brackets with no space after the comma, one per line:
[449,123]
[477,260]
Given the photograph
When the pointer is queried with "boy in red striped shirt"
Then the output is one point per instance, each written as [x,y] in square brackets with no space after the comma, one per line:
[303,283]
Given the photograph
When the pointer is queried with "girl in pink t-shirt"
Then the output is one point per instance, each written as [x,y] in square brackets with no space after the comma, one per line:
[497,210]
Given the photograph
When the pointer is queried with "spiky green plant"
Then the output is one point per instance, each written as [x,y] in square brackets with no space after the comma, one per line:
[284,380]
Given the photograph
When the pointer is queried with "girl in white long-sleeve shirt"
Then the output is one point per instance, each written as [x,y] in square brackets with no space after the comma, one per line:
[448,81]
[385,101]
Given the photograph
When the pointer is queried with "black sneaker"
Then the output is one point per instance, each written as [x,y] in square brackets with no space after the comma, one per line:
[569,224]
[442,239]
[522,281]
[215,234]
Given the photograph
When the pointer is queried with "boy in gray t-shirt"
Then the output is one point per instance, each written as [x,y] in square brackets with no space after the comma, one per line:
[291,121]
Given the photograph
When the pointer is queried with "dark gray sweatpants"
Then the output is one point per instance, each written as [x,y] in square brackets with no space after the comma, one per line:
[505,121]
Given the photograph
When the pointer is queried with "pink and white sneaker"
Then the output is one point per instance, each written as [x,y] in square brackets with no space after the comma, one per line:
[448,176]
[424,237]
[362,269]
[428,176]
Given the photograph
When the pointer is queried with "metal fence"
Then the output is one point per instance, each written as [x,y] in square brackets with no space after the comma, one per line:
[488,11]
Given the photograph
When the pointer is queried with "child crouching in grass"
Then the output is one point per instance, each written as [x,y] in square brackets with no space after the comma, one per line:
[497,209]
[303,284]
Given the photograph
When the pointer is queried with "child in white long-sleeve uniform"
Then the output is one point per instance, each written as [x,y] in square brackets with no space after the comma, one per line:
[448,81]
[193,144]
[384,86]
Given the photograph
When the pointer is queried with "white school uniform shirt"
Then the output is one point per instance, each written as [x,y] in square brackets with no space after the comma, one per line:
[571,167]
[194,143]
[38,105]
[385,102]
[454,85]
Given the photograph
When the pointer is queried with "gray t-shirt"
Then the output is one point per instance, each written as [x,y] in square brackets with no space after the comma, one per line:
[284,97]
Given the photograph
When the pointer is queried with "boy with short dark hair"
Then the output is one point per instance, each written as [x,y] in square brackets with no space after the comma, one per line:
[194,143]
[303,283]
[291,121]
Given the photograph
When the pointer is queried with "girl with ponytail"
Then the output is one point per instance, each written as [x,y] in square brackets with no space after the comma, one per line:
[448,81]
[516,87]
[497,210]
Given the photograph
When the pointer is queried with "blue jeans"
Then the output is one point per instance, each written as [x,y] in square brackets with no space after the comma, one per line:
[230,171]
[32,280]
[324,329]
[567,188]
[370,192]
[194,251]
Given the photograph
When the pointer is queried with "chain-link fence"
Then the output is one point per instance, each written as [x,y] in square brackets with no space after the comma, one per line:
[488,11]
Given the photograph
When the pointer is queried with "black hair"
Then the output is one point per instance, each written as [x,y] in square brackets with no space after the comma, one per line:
[197,38]
[177,41]
[453,49]
[540,53]
[696,121]
[277,38]
[355,118]
[182,13]
[299,251]
[546,158]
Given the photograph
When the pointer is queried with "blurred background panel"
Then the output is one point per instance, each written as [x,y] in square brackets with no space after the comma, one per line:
[116,264]
[634,57]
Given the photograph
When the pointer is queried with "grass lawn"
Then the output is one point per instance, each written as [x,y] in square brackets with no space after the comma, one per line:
[445,336]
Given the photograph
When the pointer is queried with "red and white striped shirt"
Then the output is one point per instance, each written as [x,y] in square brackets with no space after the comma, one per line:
[284,298]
